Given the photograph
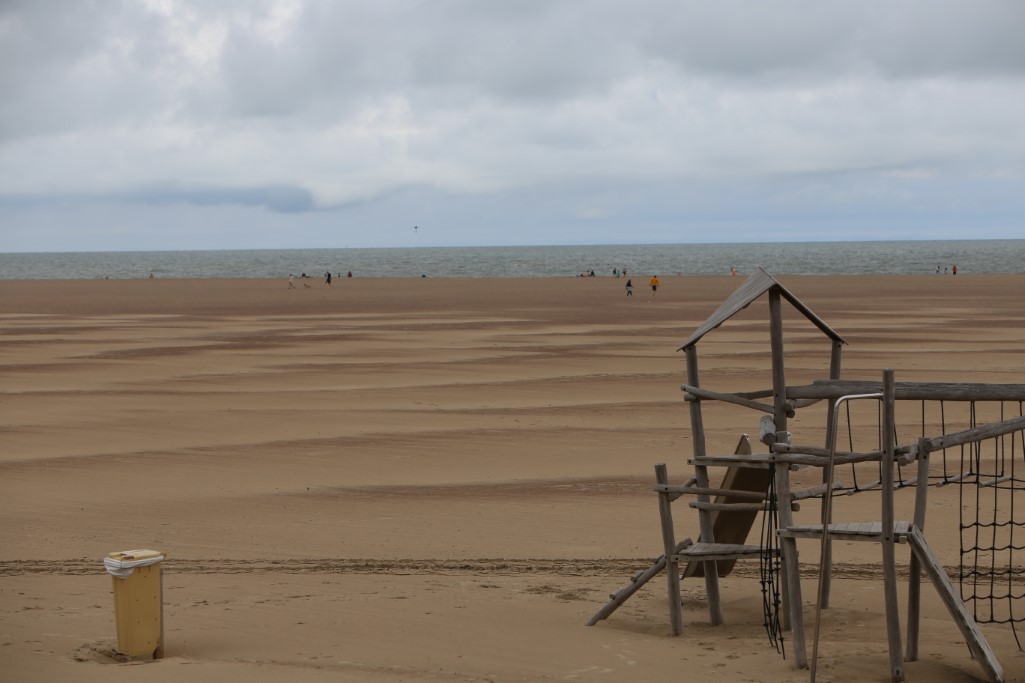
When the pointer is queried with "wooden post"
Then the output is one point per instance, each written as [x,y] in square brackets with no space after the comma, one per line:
[831,427]
[705,522]
[779,382]
[792,603]
[669,543]
[889,560]
[915,569]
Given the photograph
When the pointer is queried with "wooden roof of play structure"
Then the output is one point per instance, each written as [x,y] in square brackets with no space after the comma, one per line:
[755,286]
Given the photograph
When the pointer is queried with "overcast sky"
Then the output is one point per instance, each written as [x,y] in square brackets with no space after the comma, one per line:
[167,124]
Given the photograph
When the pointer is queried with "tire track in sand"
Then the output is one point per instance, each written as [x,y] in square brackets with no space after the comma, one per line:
[617,567]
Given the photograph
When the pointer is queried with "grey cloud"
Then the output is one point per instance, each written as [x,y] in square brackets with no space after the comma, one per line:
[349,103]
[280,198]
[276,198]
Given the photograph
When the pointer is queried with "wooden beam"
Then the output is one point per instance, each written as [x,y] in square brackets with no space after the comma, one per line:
[696,490]
[977,644]
[735,507]
[697,393]
[989,431]
[915,391]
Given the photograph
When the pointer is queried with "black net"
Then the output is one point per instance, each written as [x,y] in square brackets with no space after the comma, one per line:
[992,525]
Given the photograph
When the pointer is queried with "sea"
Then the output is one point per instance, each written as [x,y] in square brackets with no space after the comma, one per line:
[780,258]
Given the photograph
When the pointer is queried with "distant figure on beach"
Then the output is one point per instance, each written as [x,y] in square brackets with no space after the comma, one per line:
[291,281]
[629,288]
[350,274]
[654,284]
[615,272]
[327,277]
[937,270]
[733,270]
[151,276]
[946,270]
[954,270]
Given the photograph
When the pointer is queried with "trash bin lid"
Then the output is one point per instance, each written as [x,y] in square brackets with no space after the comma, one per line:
[123,563]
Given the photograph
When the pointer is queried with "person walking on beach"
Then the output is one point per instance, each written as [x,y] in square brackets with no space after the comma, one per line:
[654,285]
[629,288]
[953,269]
[291,281]
[327,277]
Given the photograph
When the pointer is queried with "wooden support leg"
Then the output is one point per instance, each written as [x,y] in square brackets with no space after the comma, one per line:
[915,577]
[711,568]
[892,610]
[914,607]
[715,615]
[793,604]
[889,560]
[669,542]
[791,580]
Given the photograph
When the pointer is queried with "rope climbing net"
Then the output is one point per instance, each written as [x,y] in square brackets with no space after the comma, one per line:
[990,474]
[991,477]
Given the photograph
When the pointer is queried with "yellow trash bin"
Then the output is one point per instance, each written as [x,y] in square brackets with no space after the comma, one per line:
[138,602]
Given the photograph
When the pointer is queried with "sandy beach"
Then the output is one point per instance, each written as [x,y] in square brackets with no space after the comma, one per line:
[432,479]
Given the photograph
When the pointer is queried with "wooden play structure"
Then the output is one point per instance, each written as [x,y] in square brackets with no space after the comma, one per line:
[986,459]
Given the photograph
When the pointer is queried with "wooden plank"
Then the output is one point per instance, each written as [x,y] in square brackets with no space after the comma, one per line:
[751,289]
[977,644]
[850,531]
[717,557]
[733,526]
[720,548]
